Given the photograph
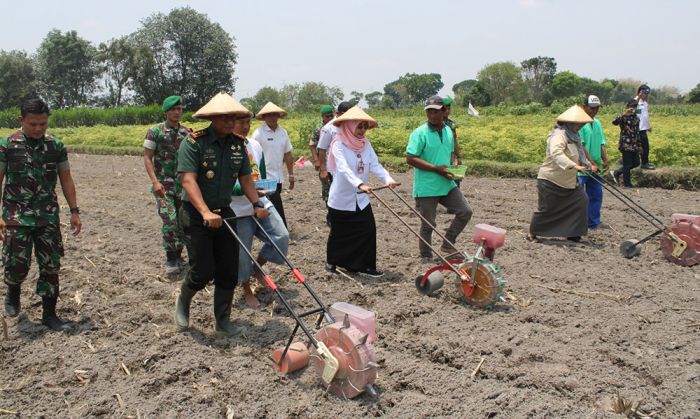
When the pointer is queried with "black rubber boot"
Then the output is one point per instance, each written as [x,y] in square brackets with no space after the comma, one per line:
[49,317]
[182,306]
[12,304]
[222,313]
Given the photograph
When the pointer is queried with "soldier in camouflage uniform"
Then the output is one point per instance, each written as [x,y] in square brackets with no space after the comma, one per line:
[314,137]
[32,162]
[160,158]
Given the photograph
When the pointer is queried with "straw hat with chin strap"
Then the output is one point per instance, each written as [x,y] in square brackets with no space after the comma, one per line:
[355,114]
[574,115]
[222,104]
[271,108]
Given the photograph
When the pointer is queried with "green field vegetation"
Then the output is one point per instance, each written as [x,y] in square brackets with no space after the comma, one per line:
[493,144]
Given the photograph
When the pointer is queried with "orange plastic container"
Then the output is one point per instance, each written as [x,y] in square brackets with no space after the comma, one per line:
[493,237]
[296,358]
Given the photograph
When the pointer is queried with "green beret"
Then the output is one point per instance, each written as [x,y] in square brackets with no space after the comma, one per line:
[171,101]
[447,101]
[326,109]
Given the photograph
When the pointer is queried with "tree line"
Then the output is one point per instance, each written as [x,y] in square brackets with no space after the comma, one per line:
[168,53]
[174,52]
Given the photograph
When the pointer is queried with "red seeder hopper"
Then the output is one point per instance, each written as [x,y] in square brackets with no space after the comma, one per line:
[341,353]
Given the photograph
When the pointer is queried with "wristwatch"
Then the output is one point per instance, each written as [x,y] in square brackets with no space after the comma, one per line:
[75,210]
[258,204]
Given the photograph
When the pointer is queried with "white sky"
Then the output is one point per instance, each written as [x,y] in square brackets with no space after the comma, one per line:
[364,44]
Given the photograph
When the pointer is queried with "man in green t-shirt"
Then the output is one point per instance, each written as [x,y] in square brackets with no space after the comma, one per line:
[429,151]
[209,162]
[593,140]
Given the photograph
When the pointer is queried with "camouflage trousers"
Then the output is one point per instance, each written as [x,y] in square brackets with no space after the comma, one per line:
[17,256]
[171,230]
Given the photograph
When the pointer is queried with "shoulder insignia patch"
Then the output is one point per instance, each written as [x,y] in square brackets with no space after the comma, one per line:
[192,138]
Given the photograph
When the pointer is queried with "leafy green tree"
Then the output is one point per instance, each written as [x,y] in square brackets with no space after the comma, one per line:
[374,99]
[117,61]
[504,83]
[412,89]
[623,90]
[463,87]
[477,95]
[313,95]
[356,97]
[66,68]
[566,84]
[17,78]
[538,73]
[694,95]
[264,95]
[183,53]
[290,95]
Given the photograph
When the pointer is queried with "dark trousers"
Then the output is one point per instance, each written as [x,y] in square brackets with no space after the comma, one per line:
[630,160]
[644,139]
[213,252]
[276,199]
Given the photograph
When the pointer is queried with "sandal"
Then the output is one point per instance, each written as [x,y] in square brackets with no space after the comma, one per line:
[532,238]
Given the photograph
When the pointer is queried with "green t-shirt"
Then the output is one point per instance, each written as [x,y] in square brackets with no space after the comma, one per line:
[427,144]
[217,162]
[593,138]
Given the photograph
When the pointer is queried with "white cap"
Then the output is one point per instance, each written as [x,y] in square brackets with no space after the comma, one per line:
[593,101]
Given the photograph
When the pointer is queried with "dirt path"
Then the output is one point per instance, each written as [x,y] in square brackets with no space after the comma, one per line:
[627,327]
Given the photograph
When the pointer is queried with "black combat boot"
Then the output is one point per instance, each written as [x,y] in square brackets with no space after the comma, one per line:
[12,304]
[182,306]
[222,312]
[49,317]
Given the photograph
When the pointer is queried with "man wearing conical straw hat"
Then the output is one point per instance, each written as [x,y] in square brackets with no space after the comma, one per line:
[562,205]
[277,147]
[209,163]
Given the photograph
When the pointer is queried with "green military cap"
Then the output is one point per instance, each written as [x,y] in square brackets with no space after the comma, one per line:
[171,101]
[447,101]
[326,109]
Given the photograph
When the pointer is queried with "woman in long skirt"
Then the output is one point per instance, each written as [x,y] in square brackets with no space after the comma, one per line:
[352,243]
[562,205]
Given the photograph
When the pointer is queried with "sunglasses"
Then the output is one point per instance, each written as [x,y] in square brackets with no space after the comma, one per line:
[364,125]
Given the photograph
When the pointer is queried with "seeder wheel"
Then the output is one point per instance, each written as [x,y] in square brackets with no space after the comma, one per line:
[630,249]
[488,284]
[356,369]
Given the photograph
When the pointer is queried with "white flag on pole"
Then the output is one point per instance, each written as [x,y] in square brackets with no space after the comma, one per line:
[471,111]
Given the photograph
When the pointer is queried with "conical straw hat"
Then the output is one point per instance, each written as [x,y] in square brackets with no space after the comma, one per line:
[271,108]
[355,114]
[574,115]
[221,104]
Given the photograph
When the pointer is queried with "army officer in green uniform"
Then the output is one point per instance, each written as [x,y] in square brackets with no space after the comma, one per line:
[30,164]
[209,162]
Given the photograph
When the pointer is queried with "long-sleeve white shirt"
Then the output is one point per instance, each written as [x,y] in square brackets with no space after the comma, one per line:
[347,177]
[643,114]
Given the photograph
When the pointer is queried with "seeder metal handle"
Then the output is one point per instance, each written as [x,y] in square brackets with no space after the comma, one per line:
[271,284]
[298,276]
[462,275]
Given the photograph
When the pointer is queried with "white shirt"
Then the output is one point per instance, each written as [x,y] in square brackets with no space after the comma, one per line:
[274,144]
[327,135]
[643,114]
[346,178]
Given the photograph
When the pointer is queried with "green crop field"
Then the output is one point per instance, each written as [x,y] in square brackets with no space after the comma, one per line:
[675,140]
